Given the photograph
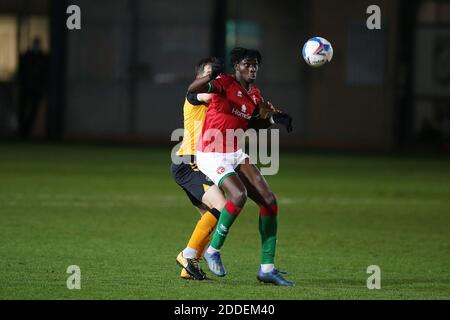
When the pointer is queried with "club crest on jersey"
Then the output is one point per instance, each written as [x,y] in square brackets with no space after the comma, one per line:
[220,170]
[239,94]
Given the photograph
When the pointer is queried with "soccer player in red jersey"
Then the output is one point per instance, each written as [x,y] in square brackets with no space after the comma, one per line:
[235,102]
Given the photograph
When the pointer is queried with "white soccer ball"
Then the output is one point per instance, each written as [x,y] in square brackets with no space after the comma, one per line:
[317,51]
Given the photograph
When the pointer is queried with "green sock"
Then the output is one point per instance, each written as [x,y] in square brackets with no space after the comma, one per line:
[268,231]
[223,225]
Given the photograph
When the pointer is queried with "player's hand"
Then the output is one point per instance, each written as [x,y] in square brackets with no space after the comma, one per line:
[272,108]
[217,68]
[284,119]
[266,109]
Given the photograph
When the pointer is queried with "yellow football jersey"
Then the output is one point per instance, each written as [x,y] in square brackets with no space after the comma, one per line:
[194,117]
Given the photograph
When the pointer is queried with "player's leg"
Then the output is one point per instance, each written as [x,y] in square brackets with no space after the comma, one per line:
[219,167]
[195,184]
[187,258]
[197,242]
[201,236]
[191,246]
[213,198]
[259,191]
[236,198]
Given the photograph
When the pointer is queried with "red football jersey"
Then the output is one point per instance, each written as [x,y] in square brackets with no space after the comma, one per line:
[232,108]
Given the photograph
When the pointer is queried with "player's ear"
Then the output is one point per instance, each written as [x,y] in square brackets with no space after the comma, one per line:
[236,67]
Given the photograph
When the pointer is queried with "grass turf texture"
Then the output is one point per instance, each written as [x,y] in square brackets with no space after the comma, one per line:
[117,214]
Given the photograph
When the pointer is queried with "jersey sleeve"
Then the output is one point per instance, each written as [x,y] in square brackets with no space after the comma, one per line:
[220,84]
[258,97]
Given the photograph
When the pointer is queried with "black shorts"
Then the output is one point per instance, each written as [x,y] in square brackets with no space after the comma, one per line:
[191,179]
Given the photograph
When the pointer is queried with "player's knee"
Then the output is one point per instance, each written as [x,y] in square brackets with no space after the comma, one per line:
[214,198]
[271,199]
[239,197]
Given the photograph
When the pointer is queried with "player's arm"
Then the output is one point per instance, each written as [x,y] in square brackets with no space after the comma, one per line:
[261,116]
[283,119]
[205,84]
[201,85]
[204,97]
[267,115]
[199,99]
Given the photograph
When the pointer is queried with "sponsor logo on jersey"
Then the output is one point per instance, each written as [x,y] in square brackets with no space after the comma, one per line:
[220,170]
[241,114]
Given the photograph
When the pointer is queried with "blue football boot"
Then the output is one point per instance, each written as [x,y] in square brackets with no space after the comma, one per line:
[274,277]
[215,263]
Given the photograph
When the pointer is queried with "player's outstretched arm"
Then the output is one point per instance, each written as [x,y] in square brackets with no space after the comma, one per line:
[200,85]
[268,115]
[204,84]
[280,118]
[261,117]
[283,119]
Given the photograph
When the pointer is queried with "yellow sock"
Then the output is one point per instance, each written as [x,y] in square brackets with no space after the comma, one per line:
[200,236]
[203,245]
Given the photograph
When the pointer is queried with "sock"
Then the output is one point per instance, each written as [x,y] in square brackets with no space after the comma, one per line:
[205,242]
[200,235]
[267,267]
[211,250]
[189,253]
[268,223]
[228,214]
[203,246]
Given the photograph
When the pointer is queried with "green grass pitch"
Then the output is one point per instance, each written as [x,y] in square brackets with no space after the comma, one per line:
[116,213]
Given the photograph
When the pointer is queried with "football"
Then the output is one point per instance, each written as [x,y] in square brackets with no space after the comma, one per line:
[317,51]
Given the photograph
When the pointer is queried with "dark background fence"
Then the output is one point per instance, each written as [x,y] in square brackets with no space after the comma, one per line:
[123,76]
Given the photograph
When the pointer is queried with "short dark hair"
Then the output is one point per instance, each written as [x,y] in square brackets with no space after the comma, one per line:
[238,54]
[202,63]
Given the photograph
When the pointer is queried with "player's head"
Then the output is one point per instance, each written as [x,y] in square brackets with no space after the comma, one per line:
[203,67]
[245,63]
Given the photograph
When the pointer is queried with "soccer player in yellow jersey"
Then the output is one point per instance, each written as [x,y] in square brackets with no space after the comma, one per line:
[201,191]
